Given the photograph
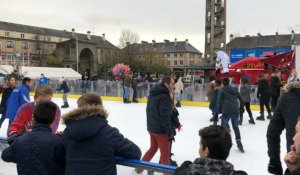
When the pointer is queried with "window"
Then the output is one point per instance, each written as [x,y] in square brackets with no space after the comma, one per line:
[25,45]
[51,48]
[6,34]
[192,55]
[168,55]
[9,44]
[181,55]
[60,40]
[175,55]
[175,62]
[181,62]
[192,62]
[36,37]
[22,35]
[48,38]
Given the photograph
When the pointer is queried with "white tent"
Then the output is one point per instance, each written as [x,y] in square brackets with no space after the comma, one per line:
[50,72]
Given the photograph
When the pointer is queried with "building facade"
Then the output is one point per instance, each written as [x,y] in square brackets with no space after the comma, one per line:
[178,56]
[30,46]
[255,46]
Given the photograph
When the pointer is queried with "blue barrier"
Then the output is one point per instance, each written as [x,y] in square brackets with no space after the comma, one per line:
[148,166]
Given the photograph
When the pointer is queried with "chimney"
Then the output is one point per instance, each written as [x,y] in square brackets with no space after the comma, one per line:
[175,42]
[127,43]
[89,35]
[276,33]
[187,42]
[293,35]
[73,33]
[259,34]
[166,41]
[153,42]
[103,36]
[231,37]
[144,42]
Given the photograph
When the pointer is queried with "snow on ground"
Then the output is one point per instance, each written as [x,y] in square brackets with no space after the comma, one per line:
[130,119]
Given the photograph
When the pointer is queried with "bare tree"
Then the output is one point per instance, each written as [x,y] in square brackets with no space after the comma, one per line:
[128,36]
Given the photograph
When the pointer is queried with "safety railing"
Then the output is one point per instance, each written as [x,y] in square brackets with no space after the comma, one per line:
[147,166]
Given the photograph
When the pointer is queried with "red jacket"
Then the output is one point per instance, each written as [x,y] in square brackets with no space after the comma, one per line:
[24,120]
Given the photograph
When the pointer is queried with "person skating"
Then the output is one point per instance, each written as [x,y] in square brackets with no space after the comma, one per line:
[263,94]
[245,91]
[43,80]
[230,103]
[126,86]
[214,99]
[215,145]
[211,87]
[18,97]
[39,151]
[134,88]
[159,113]
[64,87]
[178,91]
[7,90]
[275,89]
[285,117]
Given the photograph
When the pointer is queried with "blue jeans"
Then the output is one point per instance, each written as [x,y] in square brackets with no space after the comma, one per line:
[126,92]
[234,121]
[177,96]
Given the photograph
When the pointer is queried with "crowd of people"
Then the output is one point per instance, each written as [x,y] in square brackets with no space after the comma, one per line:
[89,145]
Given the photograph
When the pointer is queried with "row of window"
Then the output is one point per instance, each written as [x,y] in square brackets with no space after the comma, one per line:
[11,56]
[37,37]
[181,62]
[180,55]
[25,45]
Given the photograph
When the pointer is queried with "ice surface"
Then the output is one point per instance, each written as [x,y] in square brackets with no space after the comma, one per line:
[130,119]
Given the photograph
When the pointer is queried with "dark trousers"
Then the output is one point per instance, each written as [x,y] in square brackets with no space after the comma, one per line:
[247,106]
[264,101]
[234,121]
[274,102]
[2,120]
[134,97]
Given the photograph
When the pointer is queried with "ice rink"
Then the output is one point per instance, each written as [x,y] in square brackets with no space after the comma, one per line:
[130,119]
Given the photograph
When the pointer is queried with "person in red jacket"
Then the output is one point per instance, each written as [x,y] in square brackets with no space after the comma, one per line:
[24,120]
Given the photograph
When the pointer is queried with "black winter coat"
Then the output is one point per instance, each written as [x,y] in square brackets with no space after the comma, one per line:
[285,117]
[263,90]
[5,95]
[206,166]
[227,102]
[159,110]
[275,85]
[92,145]
[64,87]
[37,152]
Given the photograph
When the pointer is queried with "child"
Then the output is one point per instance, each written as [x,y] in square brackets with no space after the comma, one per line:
[65,88]
[213,102]
[39,151]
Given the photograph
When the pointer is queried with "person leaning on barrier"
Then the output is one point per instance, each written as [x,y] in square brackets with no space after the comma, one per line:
[91,143]
[215,145]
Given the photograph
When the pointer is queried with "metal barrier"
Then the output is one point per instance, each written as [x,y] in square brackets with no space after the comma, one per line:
[148,166]
[192,91]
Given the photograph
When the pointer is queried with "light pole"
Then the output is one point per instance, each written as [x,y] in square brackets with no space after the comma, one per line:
[77,56]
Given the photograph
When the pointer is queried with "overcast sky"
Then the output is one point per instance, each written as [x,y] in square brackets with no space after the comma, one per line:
[153,19]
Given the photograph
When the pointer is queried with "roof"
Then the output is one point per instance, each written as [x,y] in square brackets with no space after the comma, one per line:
[271,41]
[167,47]
[52,32]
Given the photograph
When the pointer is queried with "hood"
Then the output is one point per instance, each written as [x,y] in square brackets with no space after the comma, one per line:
[211,166]
[293,86]
[85,122]
[230,90]
[158,90]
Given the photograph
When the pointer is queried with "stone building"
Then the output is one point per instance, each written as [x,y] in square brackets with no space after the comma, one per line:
[178,56]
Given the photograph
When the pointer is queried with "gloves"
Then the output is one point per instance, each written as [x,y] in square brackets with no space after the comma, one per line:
[242,110]
[181,91]
[179,128]
[216,118]
[12,137]
[275,167]
[258,96]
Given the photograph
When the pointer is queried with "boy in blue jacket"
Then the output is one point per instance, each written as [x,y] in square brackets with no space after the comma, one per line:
[213,102]
[39,151]
[18,97]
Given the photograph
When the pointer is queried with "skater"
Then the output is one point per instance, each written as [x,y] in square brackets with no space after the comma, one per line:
[134,88]
[8,88]
[85,80]
[91,143]
[159,113]
[227,104]
[292,160]
[285,117]
[213,102]
[65,88]
[211,87]
[38,152]
[43,80]
[245,91]
[263,94]
[126,86]
[215,145]
[18,97]
[24,121]
[178,91]
[293,77]
[275,86]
